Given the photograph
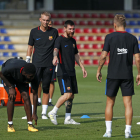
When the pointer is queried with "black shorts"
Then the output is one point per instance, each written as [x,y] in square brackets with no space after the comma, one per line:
[22,87]
[45,73]
[68,84]
[53,75]
[126,85]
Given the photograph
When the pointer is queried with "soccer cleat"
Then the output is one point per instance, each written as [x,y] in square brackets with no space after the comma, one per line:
[24,118]
[71,121]
[138,123]
[52,117]
[44,117]
[128,135]
[39,104]
[10,128]
[32,128]
[107,135]
[50,104]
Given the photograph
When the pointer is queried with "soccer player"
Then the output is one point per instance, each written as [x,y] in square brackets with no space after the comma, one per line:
[121,46]
[18,72]
[51,90]
[42,39]
[68,54]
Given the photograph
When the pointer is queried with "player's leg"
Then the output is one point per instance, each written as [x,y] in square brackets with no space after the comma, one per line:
[68,103]
[112,87]
[10,107]
[127,87]
[39,94]
[109,114]
[51,91]
[52,86]
[24,90]
[128,114]
[46,80]
[67,95]
[60,101]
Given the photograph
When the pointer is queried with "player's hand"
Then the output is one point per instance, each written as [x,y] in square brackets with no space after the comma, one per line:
[55,61]
[84,73]
[99,76]
[35,118]
[12,94]
[138,79]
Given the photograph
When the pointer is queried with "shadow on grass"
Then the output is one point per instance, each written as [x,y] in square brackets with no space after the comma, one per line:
[44,128]
[81,114]
[86,103]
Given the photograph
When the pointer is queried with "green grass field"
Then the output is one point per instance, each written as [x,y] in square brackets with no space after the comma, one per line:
[90,101]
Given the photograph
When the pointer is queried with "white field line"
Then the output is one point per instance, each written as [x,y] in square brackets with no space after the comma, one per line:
[120,117]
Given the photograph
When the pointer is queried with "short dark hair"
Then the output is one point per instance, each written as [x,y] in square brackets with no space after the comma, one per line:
[29,68]
[68,22]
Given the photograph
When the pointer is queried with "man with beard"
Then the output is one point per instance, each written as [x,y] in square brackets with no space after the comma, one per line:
[68,54]
[18,72]
[42,38]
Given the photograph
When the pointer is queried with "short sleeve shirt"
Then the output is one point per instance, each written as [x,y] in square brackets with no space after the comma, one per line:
[13,68]
[121,46]
[67,50]
[43,43]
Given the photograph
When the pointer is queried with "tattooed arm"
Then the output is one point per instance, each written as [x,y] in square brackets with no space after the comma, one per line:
[55,58]
[101,63]
[137,60]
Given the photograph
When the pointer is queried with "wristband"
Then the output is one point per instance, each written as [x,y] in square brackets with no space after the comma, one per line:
[28,58]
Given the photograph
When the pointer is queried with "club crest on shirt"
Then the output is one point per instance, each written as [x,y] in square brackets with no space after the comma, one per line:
[50,37]
[68,88]
[73,45]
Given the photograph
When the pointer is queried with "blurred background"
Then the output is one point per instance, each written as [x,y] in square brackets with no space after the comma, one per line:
[93,20]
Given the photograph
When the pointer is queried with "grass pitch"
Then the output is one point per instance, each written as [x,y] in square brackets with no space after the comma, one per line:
[90,101]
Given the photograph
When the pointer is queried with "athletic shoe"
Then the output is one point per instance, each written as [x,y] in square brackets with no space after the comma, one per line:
[50,104]
[10,128]
[39,104]
[138,123]
[107,135]
[24,118]
[71,121]
[44,117]
[52,117]
[32,128]
[128,135]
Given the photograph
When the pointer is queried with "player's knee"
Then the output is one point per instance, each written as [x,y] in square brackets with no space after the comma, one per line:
[25,96]
[12,98]
[45,90]
[68,96]
[72,96]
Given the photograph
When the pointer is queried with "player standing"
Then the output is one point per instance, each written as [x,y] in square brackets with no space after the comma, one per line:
[18,72]
[42,38]
[68,54]
[121,46]
[51,90]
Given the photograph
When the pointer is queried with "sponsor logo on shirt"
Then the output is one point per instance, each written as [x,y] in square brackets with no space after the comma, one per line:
[73,45]
[66,45]
[38,38]
[121,51]
[68,88]
[50,37]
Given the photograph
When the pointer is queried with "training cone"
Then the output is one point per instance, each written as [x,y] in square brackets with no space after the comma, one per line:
[85,116]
